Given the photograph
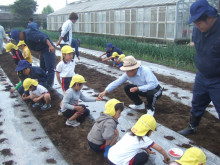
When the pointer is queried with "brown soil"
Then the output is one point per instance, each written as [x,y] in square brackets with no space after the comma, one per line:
[10,162]
[169,137]
[6,152]
[72,143]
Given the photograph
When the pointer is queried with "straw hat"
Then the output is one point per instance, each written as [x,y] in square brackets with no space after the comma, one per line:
[130,63]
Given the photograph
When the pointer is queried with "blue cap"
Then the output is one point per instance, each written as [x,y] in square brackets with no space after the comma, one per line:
[22,64]
[109,45]
[200,7]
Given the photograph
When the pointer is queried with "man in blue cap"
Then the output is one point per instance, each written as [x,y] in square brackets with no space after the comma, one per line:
[25,70]
[206,37]
[111,49]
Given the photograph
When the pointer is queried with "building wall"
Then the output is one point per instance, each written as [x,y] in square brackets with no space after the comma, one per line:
[157,22]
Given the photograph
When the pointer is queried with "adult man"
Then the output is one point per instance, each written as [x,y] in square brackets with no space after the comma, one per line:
[206,37]
[66,31]
[144,83]
[38,41]
[32,24]
[2,38]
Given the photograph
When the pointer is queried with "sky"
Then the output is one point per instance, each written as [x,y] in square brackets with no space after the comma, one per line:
[56,5]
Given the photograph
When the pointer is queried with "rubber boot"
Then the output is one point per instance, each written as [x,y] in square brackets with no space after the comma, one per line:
[192,127]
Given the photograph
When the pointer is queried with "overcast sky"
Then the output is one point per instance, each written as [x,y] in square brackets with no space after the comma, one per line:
[56,5]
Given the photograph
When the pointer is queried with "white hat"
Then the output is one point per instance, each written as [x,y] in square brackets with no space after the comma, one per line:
[130,63]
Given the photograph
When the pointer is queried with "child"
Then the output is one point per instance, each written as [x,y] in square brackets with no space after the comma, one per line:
[126,151]
[118,59]
[104,132]
[26,52]
[192,156]
[111,49]
[37,94]
[65,68]
[70,107]
[16,53]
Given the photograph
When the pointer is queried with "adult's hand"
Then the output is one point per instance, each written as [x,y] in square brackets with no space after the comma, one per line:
[134,89]
[51,49]
[102,94]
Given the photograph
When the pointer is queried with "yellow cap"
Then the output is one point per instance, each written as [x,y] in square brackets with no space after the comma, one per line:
[193,156]
[115,54]
[21,43]
[144,124]
[67,49]
[122,56]
[77,79]
[110,107]
[28,82]
[10,46]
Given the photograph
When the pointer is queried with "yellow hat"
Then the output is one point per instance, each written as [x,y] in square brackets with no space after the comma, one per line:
[28,82]
[67,49]
[10,46]
[77,79]
[122,56]
[21,43]
[115,54]
[110,107]
[192,156]
[143,125]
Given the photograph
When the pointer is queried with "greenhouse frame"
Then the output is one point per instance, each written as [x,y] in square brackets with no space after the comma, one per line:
[150,19]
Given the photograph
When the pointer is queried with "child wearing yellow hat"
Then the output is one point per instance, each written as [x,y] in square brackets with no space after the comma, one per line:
[26,51]
[127,150]
[15,52]
[192,156]
[117,59]
[104,132]
[38,93]
[65,68]
[70,108]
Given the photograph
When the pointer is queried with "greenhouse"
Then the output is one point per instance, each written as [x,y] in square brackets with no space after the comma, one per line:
[150,19]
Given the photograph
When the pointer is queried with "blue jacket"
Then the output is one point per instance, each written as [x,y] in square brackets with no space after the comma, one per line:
[33,25]
[74,44]
[15,35]
[36,40]
[36,73]
[114,49]
[207,46]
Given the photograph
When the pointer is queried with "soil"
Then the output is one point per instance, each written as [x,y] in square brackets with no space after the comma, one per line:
[72,141]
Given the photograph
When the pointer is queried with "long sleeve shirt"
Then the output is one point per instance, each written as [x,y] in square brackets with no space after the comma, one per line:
[144,79]
[67,27]
[71,99]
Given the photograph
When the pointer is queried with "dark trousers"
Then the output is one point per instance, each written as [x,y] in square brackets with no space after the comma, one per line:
[47,61]
[66,83]
[151,95]
[205,90]
[139,159]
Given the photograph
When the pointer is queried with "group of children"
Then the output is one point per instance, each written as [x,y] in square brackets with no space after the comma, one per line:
[133,148]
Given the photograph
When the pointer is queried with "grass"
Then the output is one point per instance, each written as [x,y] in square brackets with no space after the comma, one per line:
[173,55]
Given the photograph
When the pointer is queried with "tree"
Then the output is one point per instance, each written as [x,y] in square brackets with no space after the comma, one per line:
[47,10]
[23,10]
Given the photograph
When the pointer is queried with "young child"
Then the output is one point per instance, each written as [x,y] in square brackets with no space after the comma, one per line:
[192,156]
[26,52]
[65,68]
[111,49]
[118,59]
[38,93]
[126,151]
[70,107]
[104,132]
[16,53]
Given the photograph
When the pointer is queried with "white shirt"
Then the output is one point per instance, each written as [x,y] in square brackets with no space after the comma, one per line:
[66,69]
[67,27]
[144,79]
[125,149]
[39,90]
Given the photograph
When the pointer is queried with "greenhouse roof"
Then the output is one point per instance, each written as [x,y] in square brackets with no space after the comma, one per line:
[100,5]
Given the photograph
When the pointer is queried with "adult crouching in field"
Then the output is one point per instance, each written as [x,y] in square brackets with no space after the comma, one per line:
[66,31]
[38,41]
[143,83]
[110,49]
[206,38]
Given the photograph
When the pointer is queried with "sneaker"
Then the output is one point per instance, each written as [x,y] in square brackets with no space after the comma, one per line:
[46,106]
[59,112]
[141,106]
[37,104]
[73,123]
[150,112]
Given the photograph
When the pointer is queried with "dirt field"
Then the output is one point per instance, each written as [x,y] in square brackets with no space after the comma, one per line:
[72,142]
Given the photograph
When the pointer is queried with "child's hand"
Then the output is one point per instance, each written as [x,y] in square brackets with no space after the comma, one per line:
[149,151]
[35,100]
[166,160]
[23,97]
[79,109]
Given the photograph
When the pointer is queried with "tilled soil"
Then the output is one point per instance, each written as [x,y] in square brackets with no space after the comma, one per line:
[72,142]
